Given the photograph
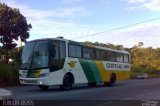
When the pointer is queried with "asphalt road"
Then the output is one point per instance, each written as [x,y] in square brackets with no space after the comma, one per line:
[132,92]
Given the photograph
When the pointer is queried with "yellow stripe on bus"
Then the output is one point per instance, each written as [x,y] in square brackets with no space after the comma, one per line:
[122,75]
[37,73]
[104,74]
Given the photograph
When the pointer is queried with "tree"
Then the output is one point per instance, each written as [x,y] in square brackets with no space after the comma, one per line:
[119,47]
[13,26]
[140,44]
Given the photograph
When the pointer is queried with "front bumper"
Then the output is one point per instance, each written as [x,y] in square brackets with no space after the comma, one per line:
[34,81]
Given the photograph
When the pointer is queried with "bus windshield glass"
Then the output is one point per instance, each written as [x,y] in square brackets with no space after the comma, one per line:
[35,55]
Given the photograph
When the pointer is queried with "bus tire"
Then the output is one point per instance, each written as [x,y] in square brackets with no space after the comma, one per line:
[68,81]
[92,84]
[43,87]
[111,81]
[106,83]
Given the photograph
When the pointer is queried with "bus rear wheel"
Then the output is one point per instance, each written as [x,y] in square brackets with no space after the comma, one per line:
[112,80]
[43,87]
[67,83]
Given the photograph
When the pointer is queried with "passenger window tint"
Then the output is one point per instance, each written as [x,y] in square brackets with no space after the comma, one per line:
[100,54]
[75,51]
[62,50]
[88,53]
[126,58]
[59,51]
[110,56]
[119,57]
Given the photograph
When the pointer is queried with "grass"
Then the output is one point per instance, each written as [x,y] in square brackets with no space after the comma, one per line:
[8,75]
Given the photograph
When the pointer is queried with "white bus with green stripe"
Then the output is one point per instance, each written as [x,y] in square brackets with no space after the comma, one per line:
[57,61]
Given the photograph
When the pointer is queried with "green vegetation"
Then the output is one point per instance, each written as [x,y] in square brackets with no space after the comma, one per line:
[9,72]
[8,75]
[13,27]
[145,60]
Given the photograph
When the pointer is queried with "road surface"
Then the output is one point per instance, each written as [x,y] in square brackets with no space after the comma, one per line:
[145,90]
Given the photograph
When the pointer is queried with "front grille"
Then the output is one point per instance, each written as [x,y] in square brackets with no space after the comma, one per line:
[30,81]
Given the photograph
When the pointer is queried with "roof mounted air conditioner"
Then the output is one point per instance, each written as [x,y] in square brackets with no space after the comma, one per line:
[61,37]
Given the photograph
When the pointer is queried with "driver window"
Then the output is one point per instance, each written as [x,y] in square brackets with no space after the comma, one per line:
[58,53]
[54,60]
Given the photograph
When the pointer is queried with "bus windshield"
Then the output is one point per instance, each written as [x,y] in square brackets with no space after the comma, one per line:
[35,55]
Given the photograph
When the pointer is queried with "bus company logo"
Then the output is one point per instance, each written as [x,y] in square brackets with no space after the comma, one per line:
[72,64]
[116,66]
[109,65]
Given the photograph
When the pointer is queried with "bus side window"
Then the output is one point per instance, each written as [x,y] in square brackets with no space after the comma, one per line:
[119,57]
[126,58]
[78,51]
[88,53]
[110,56]
[74,51]
[100,54]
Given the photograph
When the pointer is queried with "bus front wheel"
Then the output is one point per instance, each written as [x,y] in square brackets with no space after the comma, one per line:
[67,82]
[43,87]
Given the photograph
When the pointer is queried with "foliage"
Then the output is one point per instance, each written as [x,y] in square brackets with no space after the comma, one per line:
[13,26]
[147,59]
[108,45]
[8,75]
[15,54]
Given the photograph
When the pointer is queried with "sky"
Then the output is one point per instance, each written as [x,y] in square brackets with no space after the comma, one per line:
[74,19]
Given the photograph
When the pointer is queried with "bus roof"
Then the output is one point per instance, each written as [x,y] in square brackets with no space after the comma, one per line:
[81,43]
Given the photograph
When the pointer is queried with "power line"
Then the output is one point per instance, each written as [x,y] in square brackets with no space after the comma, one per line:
[118,28]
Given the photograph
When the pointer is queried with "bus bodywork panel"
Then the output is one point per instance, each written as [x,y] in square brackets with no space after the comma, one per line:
[96,71]
[83,70]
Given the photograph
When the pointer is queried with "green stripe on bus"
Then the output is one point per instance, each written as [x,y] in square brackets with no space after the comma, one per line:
[91,71]
[30,74]
[95,70]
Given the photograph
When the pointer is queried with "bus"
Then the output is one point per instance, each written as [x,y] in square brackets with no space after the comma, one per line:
[62,62]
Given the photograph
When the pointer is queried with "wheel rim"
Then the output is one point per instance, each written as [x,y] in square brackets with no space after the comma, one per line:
[67,82]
